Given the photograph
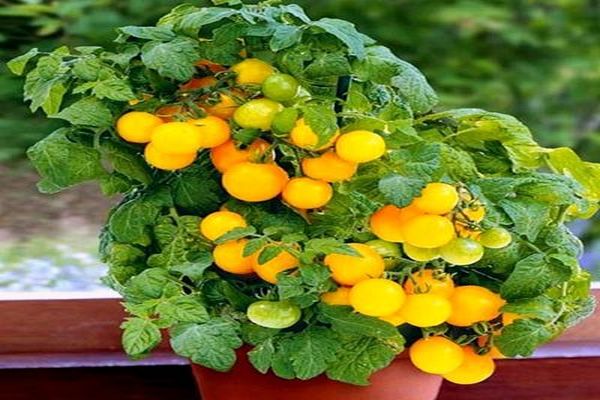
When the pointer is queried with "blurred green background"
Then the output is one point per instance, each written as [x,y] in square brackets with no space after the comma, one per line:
[535,59]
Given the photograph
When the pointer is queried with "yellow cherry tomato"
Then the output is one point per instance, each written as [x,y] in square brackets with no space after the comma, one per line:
[387,222]
[307,193]
[428,231]
[257,114]
[360,146]
[228,154]
[429,281]
[437,198]
[137,127]
[475,212]
[377,297]
[252,71]
[217,224]
[304,137]
[419,254]
[475,368]
[254,182]
[177,138]
[426,310]
[349,270]
[339,297]
[167,162]
[329,168]
[224,109]
[395,319]
[229,257]
[436,355]
[471,304]
[214,130]
[269,270]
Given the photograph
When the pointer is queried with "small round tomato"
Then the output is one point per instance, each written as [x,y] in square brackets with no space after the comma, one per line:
[137,127]
[307,193]
[284,121]
[167,162]
[229,257]
[177,138]
[218,223]
[214,130]
[437,198]
[428,231]
[257,114]
[475,212]
[419,254]
[395,319]
[329,168]
[387,222]
[349,270]
[304,137]
[254,182]
[471,304]
[274,314]
[426,310]
[280,87]
[339,297]
[228,154]
[429,281]
[436,355]
[462,251]
[252,71]
[475,368]
[268,271]
[224,109]
[360,146]
[495,238]
[377,297]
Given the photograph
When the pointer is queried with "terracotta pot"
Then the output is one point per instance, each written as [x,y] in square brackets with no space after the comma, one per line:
[399,381]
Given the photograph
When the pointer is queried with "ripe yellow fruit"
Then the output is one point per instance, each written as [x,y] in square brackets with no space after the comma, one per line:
[257,114]
[329,168]
[137,127]
[437,198]
[471,304]
[254,182]
[360,146]
[269,270]
[307,193]
[177,138]
[217,224]
[475,368]
[214,130]
[304,137]
[229,257]
[387,222]
[428,231]
[395,319]
[475,212]
[167,162]
[228,154]
[429,281]
[426,310]
[252,71]
[436,355]
[339,297]
[349,270]
[377,297]
[224,109]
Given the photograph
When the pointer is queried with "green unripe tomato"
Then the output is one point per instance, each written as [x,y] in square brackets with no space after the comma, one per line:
[274,314]
[462,251]
[284,121]
[280,87]
[495,238]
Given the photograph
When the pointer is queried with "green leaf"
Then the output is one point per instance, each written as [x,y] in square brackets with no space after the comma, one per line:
[139,336]
[183,309]
[18,64]
[149,284]
[579,310]
[528,216]
[565,161]
[419,161]
[63,163]
[235,234]
[88,111]
[254,245]
[359,357]
[345,32]
[289,286]
[312,351]
[322,120]
[285,36]
[315,274]
[210,344]
[261,356]
[541,307]
[330,246]
[113,89]
[522,337]
[268,253]
[174,59]
[198,190]
[327,65]
[161,33]
[533,275]
[400,190]
[345,321]
[126,161]
[130,221]
[192,22]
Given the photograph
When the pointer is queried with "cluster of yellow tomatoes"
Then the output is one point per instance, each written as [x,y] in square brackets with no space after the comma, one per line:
[250,173]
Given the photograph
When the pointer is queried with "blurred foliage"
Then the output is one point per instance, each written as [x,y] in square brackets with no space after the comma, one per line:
[536,59]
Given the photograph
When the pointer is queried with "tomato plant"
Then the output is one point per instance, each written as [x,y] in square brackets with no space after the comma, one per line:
[271,165]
